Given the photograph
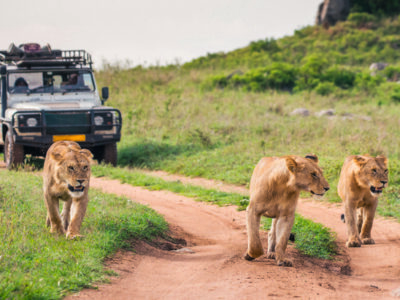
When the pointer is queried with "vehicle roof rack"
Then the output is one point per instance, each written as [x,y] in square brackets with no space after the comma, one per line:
[33,55]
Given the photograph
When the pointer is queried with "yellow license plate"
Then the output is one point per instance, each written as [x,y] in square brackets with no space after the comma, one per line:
[75,138]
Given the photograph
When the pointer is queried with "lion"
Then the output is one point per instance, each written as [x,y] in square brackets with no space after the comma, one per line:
[274,191]
[66,176]
[361,182]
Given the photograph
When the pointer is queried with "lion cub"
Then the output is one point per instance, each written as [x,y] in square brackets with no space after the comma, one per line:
[361,181]
[66,177]
[274,191]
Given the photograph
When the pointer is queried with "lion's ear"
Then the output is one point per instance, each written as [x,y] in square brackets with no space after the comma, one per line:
[57,155]
[87,153]
[291,164]
[312,157]
[383,159]
[359,160]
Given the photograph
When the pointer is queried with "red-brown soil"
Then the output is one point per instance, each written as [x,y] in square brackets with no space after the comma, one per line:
[210,265]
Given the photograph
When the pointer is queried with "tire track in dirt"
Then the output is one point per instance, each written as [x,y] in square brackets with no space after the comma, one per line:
[216,269]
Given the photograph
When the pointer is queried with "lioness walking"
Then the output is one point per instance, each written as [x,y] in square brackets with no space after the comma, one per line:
[361,181]
[66,177]
[274,191]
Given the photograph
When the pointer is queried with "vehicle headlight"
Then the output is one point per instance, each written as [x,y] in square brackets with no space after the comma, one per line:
[31,122]
[98,120]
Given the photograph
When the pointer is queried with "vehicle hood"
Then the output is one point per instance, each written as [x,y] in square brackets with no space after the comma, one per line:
[53,105]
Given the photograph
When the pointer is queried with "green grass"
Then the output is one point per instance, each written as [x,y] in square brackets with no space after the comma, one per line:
[137,178]
[312,239]
[34,264]
[174,122]
[221,134]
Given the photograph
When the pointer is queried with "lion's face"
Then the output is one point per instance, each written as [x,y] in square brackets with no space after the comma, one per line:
[72,167]
[309,176]
[75,172]
[373,173]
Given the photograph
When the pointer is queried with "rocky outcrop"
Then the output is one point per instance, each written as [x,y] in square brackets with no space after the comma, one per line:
[331,11]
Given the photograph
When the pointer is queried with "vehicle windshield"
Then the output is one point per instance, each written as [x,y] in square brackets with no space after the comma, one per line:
[50,82]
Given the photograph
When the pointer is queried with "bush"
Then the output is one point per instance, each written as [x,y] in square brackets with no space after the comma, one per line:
[366,82]
[392,73]
[267,45]
[376,7]
[325,88]
[396,94]
[281,76]
[311,72]
[219,81]
[342,78]
[360,19]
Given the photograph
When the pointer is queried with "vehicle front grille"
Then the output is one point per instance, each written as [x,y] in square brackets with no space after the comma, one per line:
[67,122]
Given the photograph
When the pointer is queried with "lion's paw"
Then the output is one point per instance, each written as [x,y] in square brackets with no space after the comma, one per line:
[71,236]
[271,255]
[353,243]
[285,263]
[248,257]
[368,241]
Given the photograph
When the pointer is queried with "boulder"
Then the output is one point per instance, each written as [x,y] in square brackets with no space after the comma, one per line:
[332,11]
[326,112]
[300,112]
[377,67]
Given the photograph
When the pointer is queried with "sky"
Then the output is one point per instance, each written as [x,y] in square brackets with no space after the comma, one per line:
[151,32]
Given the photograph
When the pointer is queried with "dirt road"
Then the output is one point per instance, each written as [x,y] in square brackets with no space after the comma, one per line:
[211,266]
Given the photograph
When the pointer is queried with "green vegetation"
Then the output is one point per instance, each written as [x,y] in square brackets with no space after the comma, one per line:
[217,115]
[312,239]
[378,7]
[137,178]
[34,264]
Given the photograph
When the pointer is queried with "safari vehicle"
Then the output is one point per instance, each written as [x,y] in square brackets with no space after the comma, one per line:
[51,95]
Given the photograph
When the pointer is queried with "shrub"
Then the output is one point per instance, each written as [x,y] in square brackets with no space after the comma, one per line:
[325,88]
[366,82]
[267,45]
[360,19]
[380,7]
[392,73]
[281,76]
[396,94]
[310,73]
[219,81]
[342,78]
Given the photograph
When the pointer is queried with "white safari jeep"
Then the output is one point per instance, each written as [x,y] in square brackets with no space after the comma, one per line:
[51,95]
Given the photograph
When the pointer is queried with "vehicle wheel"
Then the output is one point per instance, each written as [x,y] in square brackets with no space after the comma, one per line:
[110,154]
[13,153]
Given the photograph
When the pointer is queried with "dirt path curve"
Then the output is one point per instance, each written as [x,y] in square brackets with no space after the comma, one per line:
[211,265]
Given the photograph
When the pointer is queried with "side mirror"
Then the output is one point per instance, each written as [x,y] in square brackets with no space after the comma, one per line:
[104,93]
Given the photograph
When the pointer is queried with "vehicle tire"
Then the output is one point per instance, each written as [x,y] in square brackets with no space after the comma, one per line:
[110,154]
[13,153]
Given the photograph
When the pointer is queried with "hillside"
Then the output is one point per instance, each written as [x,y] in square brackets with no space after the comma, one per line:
[217,115]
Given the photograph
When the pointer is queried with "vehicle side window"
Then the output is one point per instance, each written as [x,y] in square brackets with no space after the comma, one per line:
[88,81]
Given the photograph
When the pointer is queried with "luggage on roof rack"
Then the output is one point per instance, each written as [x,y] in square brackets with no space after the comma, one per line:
[32,54]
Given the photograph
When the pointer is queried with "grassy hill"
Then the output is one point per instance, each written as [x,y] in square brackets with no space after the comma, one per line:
[217,115]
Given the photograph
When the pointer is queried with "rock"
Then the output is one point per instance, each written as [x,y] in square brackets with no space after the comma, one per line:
[300,112]
[331,11]
[377,67]
[326,112]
